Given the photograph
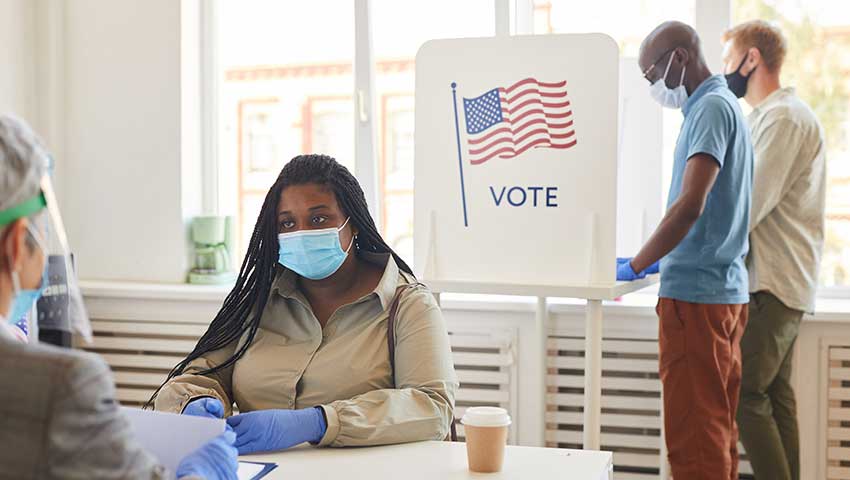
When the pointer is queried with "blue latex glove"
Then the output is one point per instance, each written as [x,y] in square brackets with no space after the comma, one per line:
[214,461]
[625,272]
[204,407]
[653,269]
[269,430]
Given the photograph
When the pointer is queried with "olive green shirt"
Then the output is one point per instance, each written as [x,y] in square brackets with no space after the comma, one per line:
[789,198]
[293,363]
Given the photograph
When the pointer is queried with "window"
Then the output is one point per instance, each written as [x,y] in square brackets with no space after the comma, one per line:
[285,88]
[399,29]
[633,21]
[818,66]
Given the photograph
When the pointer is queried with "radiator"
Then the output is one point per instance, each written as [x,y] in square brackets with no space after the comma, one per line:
[141,353]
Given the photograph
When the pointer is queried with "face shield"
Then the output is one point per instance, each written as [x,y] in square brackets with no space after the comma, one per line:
[60,311]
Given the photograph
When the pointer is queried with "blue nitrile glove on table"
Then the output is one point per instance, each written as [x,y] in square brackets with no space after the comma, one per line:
[204,407]
[217,460]
[625,273]
[270,430]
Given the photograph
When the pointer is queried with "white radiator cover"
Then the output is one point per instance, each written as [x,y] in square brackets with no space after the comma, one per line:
[838,413]
[631,402]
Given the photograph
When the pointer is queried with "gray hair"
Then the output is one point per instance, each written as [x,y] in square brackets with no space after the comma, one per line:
[23,162]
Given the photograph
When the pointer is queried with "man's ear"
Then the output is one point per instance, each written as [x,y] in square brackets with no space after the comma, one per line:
[682,55]
[753,60]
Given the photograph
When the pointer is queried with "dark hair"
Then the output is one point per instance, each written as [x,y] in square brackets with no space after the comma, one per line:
[244,305]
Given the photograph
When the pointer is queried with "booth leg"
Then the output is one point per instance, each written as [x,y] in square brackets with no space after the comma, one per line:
[539,403]
[592,374]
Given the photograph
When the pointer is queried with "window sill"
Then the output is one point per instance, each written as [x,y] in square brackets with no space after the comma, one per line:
[640,303]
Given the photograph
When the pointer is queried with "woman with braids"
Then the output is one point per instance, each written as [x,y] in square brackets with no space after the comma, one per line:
[300,344]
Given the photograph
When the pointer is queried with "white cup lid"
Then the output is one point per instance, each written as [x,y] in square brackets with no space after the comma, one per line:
[486,417]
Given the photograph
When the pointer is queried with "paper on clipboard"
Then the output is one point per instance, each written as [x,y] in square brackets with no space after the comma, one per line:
[249,471]
[254,470]
[170,437]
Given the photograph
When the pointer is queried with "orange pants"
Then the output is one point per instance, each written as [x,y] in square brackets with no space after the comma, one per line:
[700,368]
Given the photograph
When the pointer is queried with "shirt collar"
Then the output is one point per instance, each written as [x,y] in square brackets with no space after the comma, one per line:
[773,97]
[388,284]
[709,84]
[286,282]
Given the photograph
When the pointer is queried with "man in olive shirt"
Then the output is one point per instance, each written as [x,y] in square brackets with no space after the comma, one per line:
[786,240]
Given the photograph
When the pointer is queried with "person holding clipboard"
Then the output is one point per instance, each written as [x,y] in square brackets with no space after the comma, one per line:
[59,417]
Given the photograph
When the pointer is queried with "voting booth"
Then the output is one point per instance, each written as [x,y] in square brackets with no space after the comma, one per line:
[520,143]
[512,135]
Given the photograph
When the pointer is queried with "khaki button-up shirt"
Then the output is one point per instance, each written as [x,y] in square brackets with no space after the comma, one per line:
[292,364]
[789,188]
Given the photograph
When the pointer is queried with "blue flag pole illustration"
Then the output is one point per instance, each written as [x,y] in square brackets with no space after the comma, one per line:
[459,156]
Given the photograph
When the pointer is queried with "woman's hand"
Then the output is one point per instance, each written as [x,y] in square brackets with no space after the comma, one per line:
[268,430]
[204,407]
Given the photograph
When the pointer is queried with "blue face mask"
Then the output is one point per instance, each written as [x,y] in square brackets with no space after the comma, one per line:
[313,254]
[23,300]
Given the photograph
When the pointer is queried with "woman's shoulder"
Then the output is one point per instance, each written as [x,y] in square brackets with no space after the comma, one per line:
[415,298]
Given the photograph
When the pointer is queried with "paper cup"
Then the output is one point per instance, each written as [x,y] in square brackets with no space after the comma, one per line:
[486,435]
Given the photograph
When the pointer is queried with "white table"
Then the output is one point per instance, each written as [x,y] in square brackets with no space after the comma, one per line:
[594,294]
[433,461]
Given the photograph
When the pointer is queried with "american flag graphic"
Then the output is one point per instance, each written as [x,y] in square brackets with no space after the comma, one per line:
[505,122]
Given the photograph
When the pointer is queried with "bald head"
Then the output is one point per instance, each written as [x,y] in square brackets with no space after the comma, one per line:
[675,39]
[668,36]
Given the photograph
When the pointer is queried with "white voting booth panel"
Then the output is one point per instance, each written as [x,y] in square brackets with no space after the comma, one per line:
[516,184]
[639,177]
[530,199]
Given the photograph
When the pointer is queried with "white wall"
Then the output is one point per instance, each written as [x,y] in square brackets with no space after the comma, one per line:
[17,58]
[123,198]
[712,19]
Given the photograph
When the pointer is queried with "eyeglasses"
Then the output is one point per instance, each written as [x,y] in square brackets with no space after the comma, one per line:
[651,67]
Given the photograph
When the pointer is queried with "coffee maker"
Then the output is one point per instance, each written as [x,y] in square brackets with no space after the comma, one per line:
[212,236]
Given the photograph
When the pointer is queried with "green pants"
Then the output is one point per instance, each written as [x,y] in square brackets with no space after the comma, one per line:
[767,412]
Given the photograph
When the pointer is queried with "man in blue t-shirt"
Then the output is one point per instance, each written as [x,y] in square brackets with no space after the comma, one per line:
[702,242]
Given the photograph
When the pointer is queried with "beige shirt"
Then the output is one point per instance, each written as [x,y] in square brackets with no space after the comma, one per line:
[59,418]
[293,363]
[789,187]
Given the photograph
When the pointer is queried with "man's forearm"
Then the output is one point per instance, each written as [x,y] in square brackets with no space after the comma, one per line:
[673,228]
[700,173]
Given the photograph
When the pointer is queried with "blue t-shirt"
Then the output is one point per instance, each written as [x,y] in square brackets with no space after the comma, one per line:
[708,265]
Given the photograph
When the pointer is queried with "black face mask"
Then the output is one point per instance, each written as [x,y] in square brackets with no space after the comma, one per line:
[737,82]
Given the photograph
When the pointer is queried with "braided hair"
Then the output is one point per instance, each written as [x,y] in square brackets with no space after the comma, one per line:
[244,305]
